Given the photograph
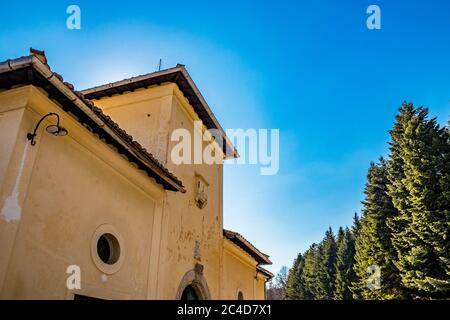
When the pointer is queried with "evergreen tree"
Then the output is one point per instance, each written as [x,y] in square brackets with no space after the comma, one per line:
[326,272]
[373,242]
[418,185]
[339,239]
[340,236]
[396,187]
[295,288]
[356,225]
[404,229]
[344,265]
[309,278]
[445,205]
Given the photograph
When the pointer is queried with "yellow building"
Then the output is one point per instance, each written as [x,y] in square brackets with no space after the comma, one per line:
[91,203]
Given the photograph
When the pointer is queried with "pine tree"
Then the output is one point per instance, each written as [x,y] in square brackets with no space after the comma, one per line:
[418,168]
[396,187]
[295,288]
[344,265]
[326,272]
[340,236]
[445,205]
[356,225]
[404,228]
[373,242]
[309,278]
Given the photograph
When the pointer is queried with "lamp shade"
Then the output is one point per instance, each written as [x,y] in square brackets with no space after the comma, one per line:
[53,129]
[61,132]
[56,130]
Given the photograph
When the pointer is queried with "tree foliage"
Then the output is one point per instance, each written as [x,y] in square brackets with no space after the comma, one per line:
[373,248]
[345,258]
[418,175]
[404,228]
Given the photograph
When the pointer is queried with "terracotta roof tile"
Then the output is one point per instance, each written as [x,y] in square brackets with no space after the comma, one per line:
[243,243]
[15,77]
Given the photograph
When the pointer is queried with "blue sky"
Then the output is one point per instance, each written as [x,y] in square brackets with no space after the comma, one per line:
[309,68]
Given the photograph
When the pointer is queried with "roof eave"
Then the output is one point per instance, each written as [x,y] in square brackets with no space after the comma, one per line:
[228,143]
[265,272]
[228,149]
[260,257]
[170,183]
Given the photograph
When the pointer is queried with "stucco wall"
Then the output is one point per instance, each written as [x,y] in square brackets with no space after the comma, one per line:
[70,186]
[145,115]
[151,115]
[241,275]
[186,223]
[260,285]
[68,194]
[243,283]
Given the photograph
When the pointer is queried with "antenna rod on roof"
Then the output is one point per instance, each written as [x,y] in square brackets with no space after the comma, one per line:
[159,65]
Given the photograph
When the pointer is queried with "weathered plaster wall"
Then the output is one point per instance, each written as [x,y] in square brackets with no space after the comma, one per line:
[71,186]
[145,115]
[249,282]
[260,286]
[150,116]
[56,194]
[188,224]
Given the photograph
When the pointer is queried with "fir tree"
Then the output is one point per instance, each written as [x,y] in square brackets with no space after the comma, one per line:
[356,225]
[326,272]
[373,242]
[295,288]
[340,236]
[404,228]
[344,265]
[309,278]
[418,170]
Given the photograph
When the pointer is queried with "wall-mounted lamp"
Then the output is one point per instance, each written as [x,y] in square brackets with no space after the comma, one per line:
[54,129]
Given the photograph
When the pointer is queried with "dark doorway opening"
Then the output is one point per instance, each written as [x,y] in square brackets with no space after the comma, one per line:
[189,293]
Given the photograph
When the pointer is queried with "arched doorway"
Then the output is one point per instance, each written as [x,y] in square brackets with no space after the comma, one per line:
[193,285]
[189,293]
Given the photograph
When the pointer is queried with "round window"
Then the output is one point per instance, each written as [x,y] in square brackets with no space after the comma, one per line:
[108,248]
